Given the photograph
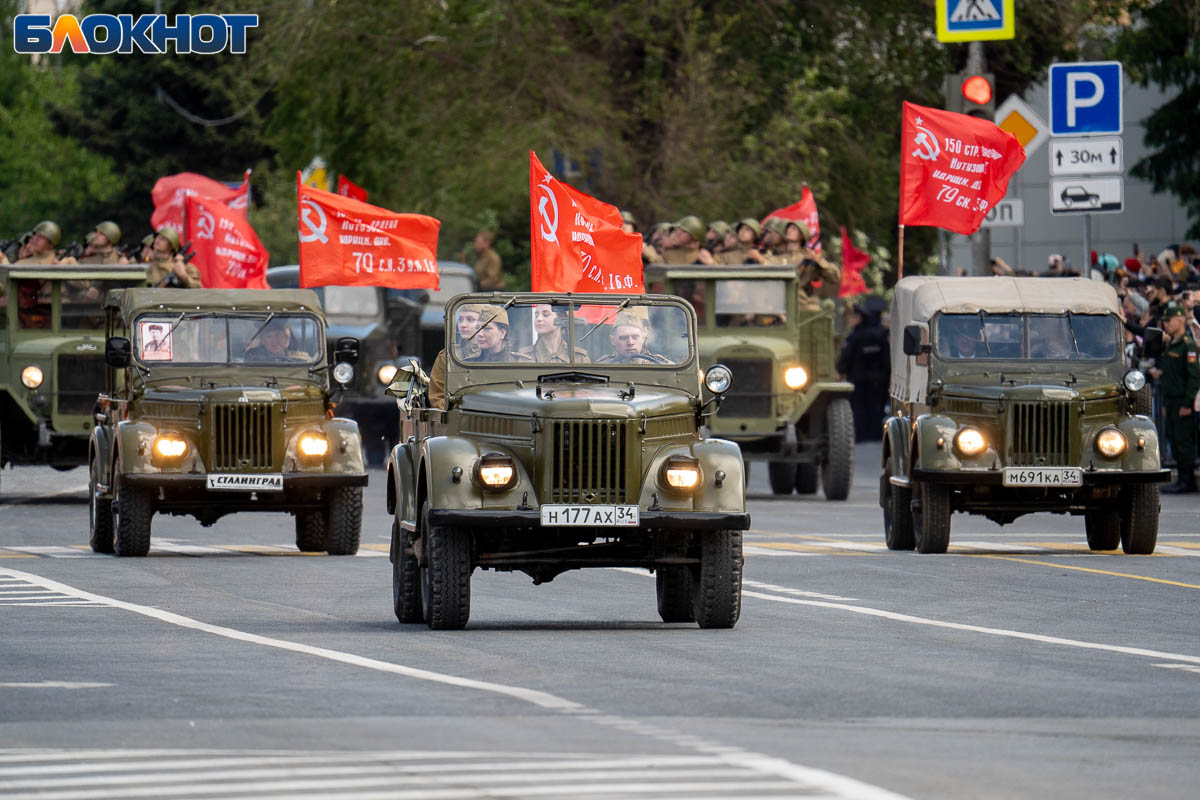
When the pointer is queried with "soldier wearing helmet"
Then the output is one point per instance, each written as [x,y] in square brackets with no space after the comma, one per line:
[683,243]
[628,222]
[102,242]
[745,250]
[167,267]
[40,247]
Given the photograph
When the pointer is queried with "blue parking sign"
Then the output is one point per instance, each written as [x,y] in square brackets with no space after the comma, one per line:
[1085,98]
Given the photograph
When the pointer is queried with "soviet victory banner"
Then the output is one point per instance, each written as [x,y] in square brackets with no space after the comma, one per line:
[228,252]
[170,192]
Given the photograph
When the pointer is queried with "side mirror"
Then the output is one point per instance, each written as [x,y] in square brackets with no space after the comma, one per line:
[1153,342]
[912,341]
[346,350]
[409,378]
[118,352]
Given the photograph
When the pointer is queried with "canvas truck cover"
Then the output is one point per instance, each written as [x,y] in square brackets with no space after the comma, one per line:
[131,301]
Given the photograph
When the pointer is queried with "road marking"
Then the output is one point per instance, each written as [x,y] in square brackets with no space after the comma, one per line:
[1171,550]
[1018,548]
[1057,565]
[82,487]
[51,685]
[772,550]
[55,551]
[1181,667]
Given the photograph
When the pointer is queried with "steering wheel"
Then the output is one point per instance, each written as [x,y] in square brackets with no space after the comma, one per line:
[626,358]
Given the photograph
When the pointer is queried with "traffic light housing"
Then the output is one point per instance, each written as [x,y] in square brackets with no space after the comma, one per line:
[971,93]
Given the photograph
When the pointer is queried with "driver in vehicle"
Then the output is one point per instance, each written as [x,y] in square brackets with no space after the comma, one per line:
[628,339]
[551,345]
[274,346]
[1054,341]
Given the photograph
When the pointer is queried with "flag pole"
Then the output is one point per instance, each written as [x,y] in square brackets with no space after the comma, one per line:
[900,267]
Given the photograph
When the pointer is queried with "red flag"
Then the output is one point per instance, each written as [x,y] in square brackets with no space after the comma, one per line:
[853,262]
[228,252]
[346,242]
[169,193]
[578,244]
[347,188]
[953,168]
[804,211]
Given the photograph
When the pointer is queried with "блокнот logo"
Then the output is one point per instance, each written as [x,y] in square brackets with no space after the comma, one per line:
[100,34]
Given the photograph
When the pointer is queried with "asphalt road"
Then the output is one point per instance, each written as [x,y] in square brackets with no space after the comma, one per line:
[228,665]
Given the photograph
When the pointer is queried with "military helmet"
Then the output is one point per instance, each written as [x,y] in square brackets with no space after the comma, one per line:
[804,233]
[148,240]
[111,231]
[720,226]
[172,237]
[752,224]
[628,218]
[777,224]
[694,226]
[50,230]
[493,314]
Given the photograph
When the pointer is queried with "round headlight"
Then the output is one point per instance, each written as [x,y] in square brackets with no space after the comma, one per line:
[718,378]
[495,472]
[1110,442]
[795,377]
[343,372]
[386,374]
[170,446]
[1134,380]
[970,442]
[314,444]
[32,377]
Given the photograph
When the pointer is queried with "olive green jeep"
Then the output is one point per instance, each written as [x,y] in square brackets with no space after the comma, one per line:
[789,408]
[52,358]
[218,401]
[1012,396]
[568,438]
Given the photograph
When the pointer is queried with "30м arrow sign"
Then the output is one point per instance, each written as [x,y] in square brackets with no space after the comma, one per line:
[1090,156]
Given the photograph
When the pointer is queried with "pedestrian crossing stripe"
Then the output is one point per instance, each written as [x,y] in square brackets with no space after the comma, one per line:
[975,20]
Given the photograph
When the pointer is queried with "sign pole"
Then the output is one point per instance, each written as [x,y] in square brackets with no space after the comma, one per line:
[900,265]
[1087,245]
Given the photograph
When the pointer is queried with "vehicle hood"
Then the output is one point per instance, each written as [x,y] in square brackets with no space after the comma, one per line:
[572,401]
[83,343]
[760,344]
[1032,392]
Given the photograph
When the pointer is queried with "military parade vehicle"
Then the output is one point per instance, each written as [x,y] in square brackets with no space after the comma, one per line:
[217,401]
[564,433]
[52,358]
[788,407]
[386,323]
[1012,396]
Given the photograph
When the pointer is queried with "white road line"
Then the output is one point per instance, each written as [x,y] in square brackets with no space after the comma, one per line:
[1015,548]
[82,487]
[54,551]
[751,550]
[862,548]
[1181,667]
[770,587]
[104,760]
[188,549]
[53,685]
[1167,549]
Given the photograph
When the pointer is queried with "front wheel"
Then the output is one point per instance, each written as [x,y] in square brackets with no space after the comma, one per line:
[310,531]
[837,471]
[897,511]
[1103,528]
[406,577]
[344,521]
[673,585]
[134,510]
[100,520]
[717,581]
[1139,522]
[445,575]
[808,478]
[782,476]
[931,517]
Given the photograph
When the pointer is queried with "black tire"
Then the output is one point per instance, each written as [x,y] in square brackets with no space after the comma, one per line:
[782,476]
[310,531]
[931,518]
[133,512]
[1139,522]
[445,576]
[897,512]
[674,587]
[837,470]
[808,478]
[717,580]
[406,578]
[1103,529]
[343,524]
[100,519]
[1143,402]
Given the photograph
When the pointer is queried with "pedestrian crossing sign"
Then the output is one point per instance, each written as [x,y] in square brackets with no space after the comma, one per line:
[975,20]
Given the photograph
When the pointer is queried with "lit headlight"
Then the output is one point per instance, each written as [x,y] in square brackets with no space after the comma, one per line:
[496,472]
[970,442]
[1110,442]
[681,473]
[795,377]
[718,378]
[32,377]
[1134,380]
[343,372]
[314,444]
[386,374]
[170,446]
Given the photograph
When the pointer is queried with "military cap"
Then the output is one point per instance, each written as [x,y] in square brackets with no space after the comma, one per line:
[50,230]
[111,231]
[476,308]
[720,226]
[627,318]
[493,314]
[694,226]
[752,224]
[172,237]
[1173,310]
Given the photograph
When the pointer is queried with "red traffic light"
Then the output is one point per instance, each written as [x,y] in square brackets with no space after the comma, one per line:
[977,89]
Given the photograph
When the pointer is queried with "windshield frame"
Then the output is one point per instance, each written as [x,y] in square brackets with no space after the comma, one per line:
[1079,358]
[170,316]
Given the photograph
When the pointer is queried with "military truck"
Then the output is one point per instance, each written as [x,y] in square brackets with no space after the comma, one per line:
[1012,396]
[568,440]
[52,358]
[788,407]
[217,401]
[386,323]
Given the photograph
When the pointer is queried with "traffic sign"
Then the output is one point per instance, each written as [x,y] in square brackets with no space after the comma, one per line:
[1087,195]
[1006,214]
[1090,156]
[975,20]
[1085,98]
[1015,116]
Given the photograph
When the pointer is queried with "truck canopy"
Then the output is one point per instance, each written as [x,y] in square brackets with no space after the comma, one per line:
[132,301]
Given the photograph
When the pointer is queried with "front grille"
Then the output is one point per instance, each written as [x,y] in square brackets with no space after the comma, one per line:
[587,462]
[79,380]
[1040,433]
[242,436]
[750,395]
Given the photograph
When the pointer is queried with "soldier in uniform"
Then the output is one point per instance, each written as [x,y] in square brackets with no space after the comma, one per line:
[684,243]
[867,363]
[167,267]
[745,251]
[714,239]
[147,251]
[628,337]
[772,244]
[40,247]
[102,245]
[1180,383]
[464,327]
[551,344]
[487,262]
[628,222]
[492,338]
[274,345]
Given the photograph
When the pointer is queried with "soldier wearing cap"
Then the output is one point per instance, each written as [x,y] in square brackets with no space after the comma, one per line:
[465,325]
[167,267]
[102,242]
[551,344]
[492,338]
[1180,383]
[628,337]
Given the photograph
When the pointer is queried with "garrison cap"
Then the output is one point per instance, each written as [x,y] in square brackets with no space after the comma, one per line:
[627,318]
[493,314]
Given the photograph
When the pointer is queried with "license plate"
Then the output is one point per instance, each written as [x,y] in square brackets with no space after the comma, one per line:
[227,482]
[590,516]
[1043,476]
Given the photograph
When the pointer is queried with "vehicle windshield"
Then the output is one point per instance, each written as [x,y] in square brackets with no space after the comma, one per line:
[200,338]
[747,303]
[1033,337]
[357,302]
[625,331]
[81,300]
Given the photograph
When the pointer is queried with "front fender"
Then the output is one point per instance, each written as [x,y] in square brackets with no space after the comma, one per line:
[714,455]
[135,441]
[401,483]
[1144,459]
[897,433]
[345,448]
[929,455]
[100,454]
[441,454]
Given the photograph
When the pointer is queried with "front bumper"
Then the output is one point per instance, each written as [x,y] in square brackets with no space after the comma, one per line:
[1095,478]
[649,520]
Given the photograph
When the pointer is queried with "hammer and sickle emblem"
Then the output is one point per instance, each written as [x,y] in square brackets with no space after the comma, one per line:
[927,143]
[549,224]
[316,227]
[205,226]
